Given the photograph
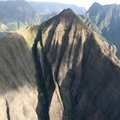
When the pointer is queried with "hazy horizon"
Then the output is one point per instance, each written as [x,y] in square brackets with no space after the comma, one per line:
[84,3]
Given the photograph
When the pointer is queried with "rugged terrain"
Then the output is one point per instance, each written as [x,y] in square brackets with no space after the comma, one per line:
[60,70]
[105,20]
[19,14]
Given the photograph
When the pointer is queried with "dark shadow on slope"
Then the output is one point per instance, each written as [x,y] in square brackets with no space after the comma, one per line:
[66,95]
[44,79]
[7,110]
[98,95]
[23,66]
[71,82]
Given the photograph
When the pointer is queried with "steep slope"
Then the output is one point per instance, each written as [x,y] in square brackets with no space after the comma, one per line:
[49,7]
[84,68]
[60,70]
[105,20]
[18,88]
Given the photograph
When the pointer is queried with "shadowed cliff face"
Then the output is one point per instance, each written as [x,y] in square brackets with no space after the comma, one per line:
[74,74]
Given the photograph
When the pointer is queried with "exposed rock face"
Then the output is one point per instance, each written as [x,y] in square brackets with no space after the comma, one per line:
[65,73]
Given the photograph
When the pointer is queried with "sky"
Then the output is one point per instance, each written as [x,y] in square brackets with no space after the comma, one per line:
[82,3]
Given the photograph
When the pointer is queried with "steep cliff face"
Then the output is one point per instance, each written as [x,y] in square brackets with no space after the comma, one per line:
[84,68]
[62,72]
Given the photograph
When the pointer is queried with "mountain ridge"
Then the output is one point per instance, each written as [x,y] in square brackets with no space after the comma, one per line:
[58,7]
[20,14]
[66,75]
[59,70]
[105,20]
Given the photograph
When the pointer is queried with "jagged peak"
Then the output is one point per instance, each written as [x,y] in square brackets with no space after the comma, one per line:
[67,17]
[94,8]
[68,10]
[96,4]
[68,14]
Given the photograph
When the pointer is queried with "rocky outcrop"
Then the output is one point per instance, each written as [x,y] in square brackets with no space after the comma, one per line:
[60,70]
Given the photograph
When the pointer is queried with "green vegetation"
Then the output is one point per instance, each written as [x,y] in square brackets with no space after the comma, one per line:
[68,115]
[18,17]
[42,98]
[105,21]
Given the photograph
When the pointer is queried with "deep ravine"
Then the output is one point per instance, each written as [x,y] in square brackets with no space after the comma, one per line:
[45,81]
[43,102]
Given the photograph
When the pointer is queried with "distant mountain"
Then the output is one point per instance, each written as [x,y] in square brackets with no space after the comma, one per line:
[16,14]
[20,14]
[49,7]
[105,19]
